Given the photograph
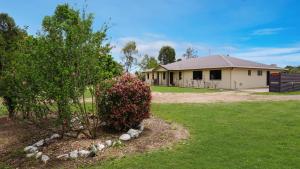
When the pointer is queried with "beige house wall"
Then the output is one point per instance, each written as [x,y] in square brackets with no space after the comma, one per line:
[187,79]
[241,79]
[232,78]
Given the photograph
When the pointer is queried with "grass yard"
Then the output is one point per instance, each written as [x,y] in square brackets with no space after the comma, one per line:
[279,93]
[170,89]
[237,135]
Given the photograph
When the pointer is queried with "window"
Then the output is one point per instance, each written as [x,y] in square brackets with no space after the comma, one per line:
[259,73]
[180,75]
[215,75]
[197,75]
[249,72]
[152,76]
[147,75]
[164,75]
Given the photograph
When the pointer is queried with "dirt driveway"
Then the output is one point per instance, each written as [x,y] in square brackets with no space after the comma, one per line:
[227,96]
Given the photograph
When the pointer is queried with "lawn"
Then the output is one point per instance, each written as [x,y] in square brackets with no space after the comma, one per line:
[170,89]
[226,135]
[279,93]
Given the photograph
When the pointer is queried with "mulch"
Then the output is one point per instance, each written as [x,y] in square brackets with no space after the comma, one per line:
[15,135]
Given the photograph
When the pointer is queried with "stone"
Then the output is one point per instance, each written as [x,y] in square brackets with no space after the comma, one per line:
[45,158]
[133,133]
[47,140]
[108,143]
[100,146]
[54,136]
[117,143]
[74,154]
[39,143]
[74,119]
[83,153]
[125,137]
[93,151]
[65,156]
[141,127]
[30,155]
[30,149]
[38,155]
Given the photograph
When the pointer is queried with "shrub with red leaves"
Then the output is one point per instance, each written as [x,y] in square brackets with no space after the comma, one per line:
[126,104]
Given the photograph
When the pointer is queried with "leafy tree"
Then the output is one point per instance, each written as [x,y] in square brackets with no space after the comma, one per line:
[293,69]
[109,67]
[148,62]
[190,53]
[10,44]
[166,55]
[129,52]
[69,51]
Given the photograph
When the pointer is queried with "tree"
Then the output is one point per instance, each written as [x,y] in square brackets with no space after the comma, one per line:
[109,67]
[10,41]
[190,53]
[129,52]
[293,69]
[148,62]
[166,55]
[69,51]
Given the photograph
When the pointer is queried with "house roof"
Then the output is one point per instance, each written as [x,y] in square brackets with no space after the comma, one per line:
[148,70]
[217,61]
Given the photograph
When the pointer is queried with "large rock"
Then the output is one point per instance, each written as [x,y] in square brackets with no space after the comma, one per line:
[74,154]
[83,153]
[38,155]
[133,133]
[108,143]
[125,137]
[54,136]
[30,149]
[45,158]
[100,146]
[39,143]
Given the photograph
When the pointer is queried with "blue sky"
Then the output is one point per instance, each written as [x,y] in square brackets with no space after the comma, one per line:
[263,31]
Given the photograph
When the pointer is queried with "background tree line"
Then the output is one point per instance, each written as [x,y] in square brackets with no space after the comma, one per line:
[165,56]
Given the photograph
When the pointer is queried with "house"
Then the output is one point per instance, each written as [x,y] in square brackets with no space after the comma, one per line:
[217,71]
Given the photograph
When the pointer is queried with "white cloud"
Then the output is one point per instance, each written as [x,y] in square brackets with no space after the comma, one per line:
[151,43]
[281,56]
[267,31]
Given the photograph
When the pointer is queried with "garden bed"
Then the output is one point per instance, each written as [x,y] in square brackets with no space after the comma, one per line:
[14,136]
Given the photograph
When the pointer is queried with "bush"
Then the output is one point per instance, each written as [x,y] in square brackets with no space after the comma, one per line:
[126,104]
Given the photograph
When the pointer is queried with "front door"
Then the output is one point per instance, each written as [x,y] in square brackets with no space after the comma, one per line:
[268,78]
[171,78]
[157,78]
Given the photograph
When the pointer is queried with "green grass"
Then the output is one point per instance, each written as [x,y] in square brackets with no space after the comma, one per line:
[170,89]
[278,93]
[263,135]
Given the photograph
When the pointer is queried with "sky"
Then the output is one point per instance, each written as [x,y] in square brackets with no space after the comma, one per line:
[263,31]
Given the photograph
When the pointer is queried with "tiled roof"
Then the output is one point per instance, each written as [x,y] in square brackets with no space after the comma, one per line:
[217,61]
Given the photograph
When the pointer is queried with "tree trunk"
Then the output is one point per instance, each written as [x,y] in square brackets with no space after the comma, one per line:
[10,107]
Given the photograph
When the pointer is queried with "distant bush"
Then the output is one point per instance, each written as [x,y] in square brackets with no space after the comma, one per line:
[126,104]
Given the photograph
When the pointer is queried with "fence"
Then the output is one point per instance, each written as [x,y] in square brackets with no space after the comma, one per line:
[283,82]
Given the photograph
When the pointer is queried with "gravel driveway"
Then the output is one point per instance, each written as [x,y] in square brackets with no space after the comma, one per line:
[227,96]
